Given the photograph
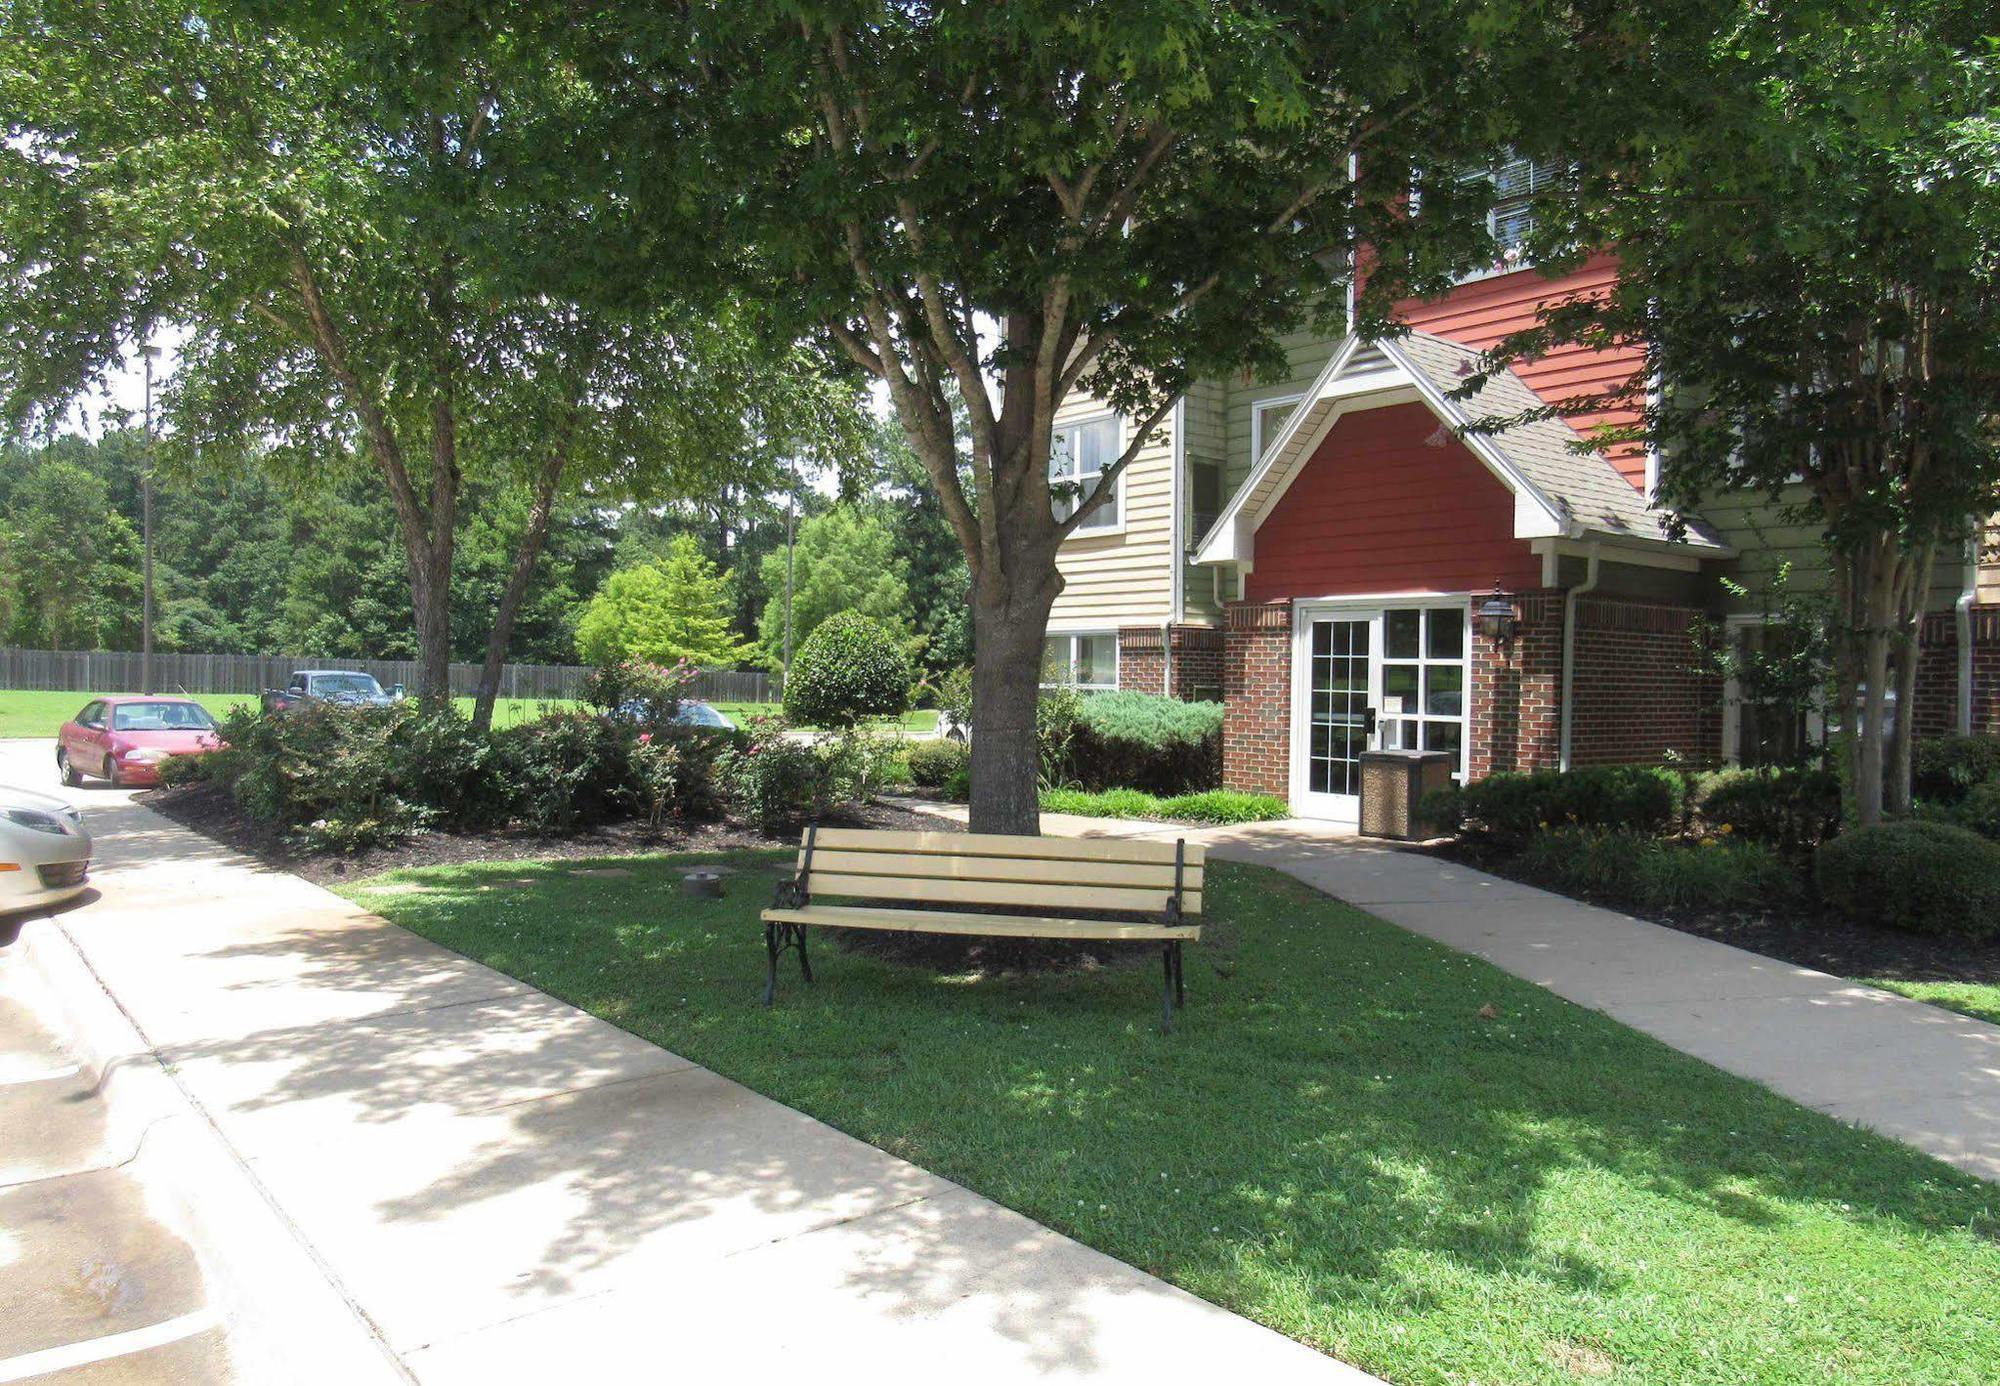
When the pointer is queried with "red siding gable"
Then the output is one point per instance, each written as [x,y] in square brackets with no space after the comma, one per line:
[1390,502]
[1480,313]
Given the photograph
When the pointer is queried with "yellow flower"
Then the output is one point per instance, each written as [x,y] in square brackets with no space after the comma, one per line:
[1728,828]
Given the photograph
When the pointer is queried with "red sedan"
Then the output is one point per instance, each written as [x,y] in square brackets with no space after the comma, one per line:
[124,740]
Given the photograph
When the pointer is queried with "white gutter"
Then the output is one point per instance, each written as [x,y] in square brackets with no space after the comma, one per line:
[1177,546]
[1568,714]
[1962,616]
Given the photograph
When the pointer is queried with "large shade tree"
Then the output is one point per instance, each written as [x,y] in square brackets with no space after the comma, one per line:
[362,219]
[1001,203]
[1806,201]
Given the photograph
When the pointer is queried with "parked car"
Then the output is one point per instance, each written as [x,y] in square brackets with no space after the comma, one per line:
[44,851]
[125,740]
[691,714]
[347,687]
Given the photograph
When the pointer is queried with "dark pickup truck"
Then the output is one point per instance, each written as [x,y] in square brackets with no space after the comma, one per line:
[346,687]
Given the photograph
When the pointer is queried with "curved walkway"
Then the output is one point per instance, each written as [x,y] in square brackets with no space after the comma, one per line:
[1925,1076]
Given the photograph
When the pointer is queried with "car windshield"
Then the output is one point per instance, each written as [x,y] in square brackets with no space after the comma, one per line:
[161,717]
[363,684]
[700,715]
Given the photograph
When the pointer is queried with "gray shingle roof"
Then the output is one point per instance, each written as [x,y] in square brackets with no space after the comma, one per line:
[1543,451]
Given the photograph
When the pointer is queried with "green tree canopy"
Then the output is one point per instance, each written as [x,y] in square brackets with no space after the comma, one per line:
[71,562]
[1009,201]
[844,560]
[673,609]
[1808,216]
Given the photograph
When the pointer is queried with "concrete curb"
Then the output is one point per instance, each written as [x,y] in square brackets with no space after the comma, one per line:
[286,1318]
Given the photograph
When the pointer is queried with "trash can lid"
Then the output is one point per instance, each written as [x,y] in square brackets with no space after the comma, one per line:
[1406,757]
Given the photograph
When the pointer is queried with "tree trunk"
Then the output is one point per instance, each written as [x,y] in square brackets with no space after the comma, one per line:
[1913,588]
[533,540]
[430,594]
[1009,630]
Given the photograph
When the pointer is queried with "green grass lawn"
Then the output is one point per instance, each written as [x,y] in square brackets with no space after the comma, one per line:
[1980,1000]
[1340,1140]
[923,719]
[24,713]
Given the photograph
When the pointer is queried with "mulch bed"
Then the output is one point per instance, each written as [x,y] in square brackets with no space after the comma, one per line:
[210,811]
[1809,936]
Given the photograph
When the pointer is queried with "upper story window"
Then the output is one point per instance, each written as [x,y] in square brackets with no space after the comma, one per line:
[1267,420]
[1081,452]
[1516,184]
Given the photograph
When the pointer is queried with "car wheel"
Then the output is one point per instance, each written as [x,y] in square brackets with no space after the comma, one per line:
[71,776]
[111,773]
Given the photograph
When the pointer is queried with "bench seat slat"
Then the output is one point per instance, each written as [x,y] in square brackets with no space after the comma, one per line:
[990,925]
[1050,894]
[939,867]
[1062,849]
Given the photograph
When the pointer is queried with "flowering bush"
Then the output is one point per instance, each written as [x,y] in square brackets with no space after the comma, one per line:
[774,781]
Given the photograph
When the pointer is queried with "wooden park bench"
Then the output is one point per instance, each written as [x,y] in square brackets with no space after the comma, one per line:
[959,883]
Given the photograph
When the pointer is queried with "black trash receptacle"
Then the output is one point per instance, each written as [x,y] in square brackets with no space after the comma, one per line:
[1393,783]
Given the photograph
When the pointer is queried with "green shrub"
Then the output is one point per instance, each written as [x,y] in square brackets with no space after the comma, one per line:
[1927,877]
[1979,810]
[183,770]
[1144,741]
[1793,810]
[859,762]
[1209,806]
[1944,769]
[1644,872]
[849,669]
[570,770]
[1514,807]
[954,698]
[776,782]
[933,763]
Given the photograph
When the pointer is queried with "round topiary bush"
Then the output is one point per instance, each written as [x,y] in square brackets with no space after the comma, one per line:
[849,669]
[1916,874]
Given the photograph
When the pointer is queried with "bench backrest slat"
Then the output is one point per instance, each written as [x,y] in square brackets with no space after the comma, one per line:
[988,869]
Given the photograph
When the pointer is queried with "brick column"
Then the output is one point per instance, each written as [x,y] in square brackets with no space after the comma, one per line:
[1197,663]
[1515,717]
[1937,673]
[1257,693]
[1142,660]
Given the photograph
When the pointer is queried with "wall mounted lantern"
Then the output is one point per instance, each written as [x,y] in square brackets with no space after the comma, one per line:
[1497,620]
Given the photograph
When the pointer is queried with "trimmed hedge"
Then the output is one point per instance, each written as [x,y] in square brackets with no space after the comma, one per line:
[1209,806]
[1915,874]
[1793,810]
[1979,811]
[1514,807]
[1648,873]
[1944,769]
[1144,741]
[933,763]
[849,669]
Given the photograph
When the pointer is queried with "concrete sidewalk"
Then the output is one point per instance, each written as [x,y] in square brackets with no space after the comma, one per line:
[506,1189]
[1926,1076]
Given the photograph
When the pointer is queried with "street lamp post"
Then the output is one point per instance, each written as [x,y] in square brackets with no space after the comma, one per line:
[147,352]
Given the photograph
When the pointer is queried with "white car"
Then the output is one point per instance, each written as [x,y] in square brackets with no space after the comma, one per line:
[44,850]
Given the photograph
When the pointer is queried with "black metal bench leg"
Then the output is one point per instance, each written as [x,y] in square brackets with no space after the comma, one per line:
[1167,990]
[770,962]
[1180,977]
[805,966]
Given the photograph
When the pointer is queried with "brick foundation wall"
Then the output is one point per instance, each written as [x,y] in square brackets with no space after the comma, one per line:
[1937,673]
[1196,665]
[1257,690]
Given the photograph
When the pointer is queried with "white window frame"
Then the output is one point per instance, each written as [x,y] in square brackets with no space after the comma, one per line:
[1072,636]
[1116,505]
[1258,442]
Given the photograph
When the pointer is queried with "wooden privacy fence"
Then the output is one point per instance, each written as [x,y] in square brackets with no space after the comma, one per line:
[117,671]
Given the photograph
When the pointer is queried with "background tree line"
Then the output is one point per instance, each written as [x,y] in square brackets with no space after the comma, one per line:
[244,564]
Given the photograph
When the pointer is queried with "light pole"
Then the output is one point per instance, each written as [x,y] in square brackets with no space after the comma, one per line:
[147,352]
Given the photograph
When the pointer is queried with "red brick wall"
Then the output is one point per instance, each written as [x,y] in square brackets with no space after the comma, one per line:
[1937,673]
[1514,718]
[1637,695]
[1196,666]
[1257,688]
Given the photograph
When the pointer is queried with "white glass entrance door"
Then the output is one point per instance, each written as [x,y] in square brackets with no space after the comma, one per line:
[1339,714]
[1364,677]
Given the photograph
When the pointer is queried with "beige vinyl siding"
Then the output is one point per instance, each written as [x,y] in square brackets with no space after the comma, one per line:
[1307,354]
[1123,578]
[1765,537]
